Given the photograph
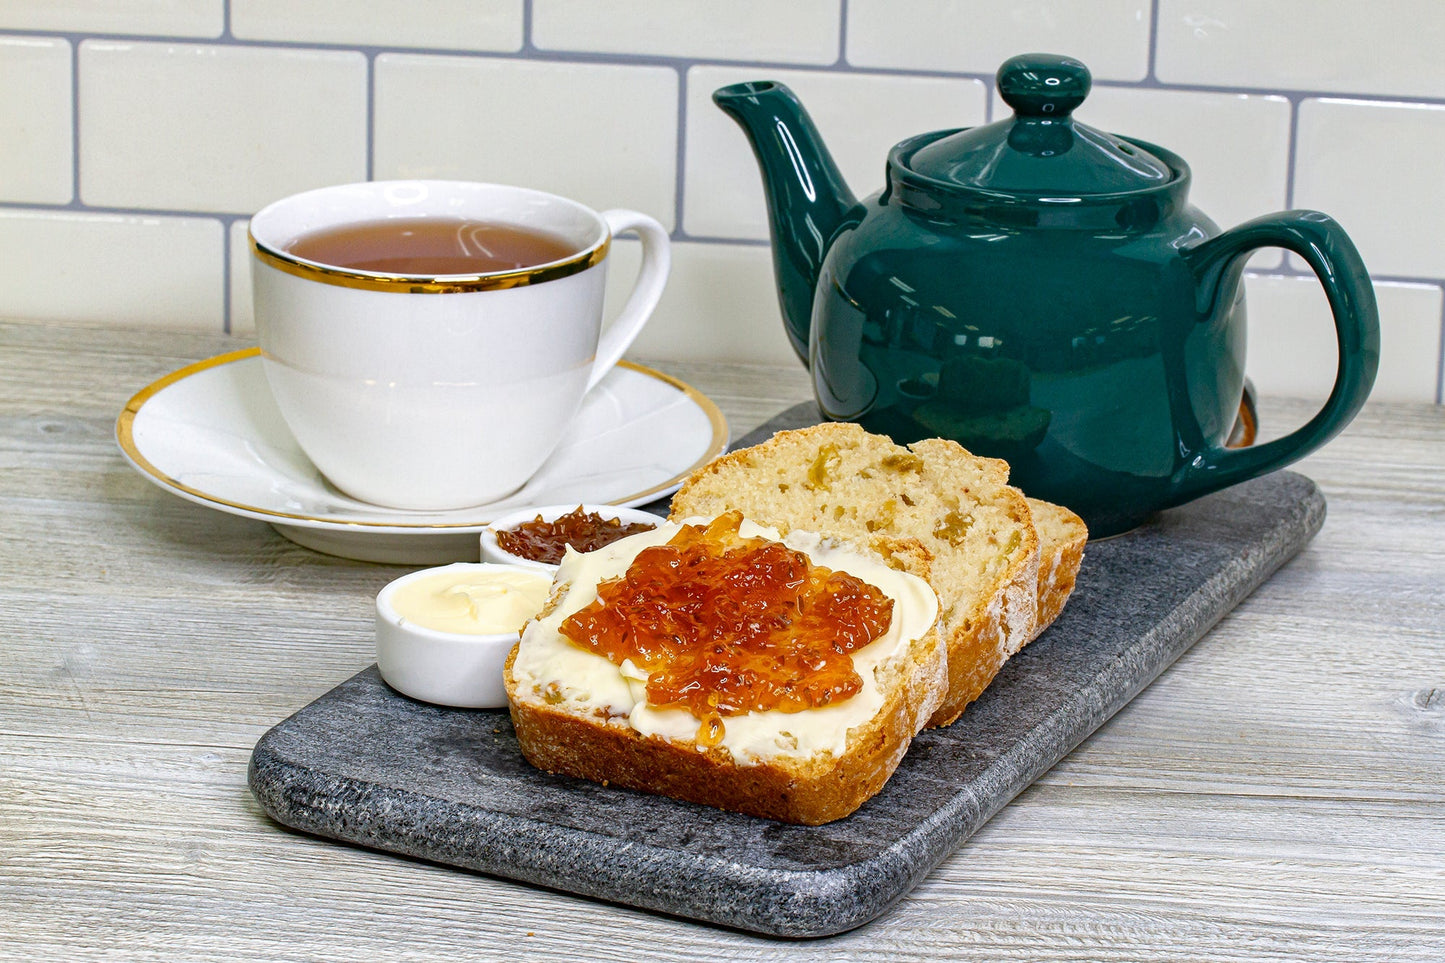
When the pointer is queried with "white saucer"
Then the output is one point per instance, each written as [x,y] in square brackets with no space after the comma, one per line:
[210,433]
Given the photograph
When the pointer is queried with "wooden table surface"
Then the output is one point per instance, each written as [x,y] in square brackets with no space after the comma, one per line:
[1278,793]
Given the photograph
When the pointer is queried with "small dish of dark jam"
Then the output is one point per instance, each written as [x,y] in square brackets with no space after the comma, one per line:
[541,536]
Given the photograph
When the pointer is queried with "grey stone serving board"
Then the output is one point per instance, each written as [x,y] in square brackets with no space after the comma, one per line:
[366,765]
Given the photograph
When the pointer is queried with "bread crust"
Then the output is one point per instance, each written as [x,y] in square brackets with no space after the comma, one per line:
[978,650]
[1062,537]
[572,741]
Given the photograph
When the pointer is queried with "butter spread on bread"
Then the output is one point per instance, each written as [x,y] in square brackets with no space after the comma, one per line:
[549,663]
[576,713]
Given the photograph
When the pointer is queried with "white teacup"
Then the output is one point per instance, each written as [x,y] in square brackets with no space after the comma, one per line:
[440,391]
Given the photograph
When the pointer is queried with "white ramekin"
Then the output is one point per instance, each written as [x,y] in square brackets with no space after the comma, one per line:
[446,668]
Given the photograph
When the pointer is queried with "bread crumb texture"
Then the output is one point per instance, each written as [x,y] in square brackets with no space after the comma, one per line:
[577,714]
[1001,565]
[932,509]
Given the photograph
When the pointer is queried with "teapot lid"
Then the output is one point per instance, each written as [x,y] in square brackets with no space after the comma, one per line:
[1041,150]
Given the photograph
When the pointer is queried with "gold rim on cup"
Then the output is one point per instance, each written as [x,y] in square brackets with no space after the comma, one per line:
[440,284]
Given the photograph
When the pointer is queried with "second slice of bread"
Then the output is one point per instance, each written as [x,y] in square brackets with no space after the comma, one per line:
[1062,536]
[933,509]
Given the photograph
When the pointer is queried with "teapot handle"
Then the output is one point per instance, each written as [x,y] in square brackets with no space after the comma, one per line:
[1218,263]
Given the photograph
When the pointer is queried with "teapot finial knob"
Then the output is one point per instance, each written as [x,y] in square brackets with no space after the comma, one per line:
[1043,85]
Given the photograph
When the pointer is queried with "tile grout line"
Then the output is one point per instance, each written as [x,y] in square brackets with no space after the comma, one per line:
[679,175]
[370,116]
[229,217]
[226,224]
[529,51]
[1291,157]
[532,52]
[1151,75]
[1440,367]
[226,278]
[74,45]
[191,213]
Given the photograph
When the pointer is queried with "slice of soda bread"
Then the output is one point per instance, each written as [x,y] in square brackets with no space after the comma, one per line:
[933,509]
[1062,536]
[578,713]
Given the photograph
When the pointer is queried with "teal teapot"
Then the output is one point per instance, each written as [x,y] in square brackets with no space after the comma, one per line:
[1043,292]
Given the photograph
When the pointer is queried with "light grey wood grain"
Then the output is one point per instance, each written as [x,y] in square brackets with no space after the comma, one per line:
[1279,793]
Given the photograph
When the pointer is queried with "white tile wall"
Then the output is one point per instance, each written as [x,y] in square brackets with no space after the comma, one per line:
[216,128]
[601,133]
[1343,46]
[719,305]
[243,319]
[796,32]
[1292,349]
[37,166]
[1375,167]
[191,114]
[69,265]
[860,117]
[172,18]
[1111,36]
[453,24]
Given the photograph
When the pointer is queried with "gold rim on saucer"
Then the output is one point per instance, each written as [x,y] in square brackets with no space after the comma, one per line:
[125,436]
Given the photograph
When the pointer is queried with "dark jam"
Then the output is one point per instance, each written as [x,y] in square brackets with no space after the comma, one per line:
[725,625]
[543,541]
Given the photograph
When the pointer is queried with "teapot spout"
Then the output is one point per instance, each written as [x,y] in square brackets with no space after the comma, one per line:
[808,200]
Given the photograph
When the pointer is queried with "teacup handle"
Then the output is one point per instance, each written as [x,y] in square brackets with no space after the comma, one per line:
[656,261]
[1218,264]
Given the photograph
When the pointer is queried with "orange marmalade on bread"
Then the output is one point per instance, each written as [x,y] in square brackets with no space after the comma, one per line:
[576,681]
[726,624]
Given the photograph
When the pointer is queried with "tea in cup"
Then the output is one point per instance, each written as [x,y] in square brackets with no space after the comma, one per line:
[429,342]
